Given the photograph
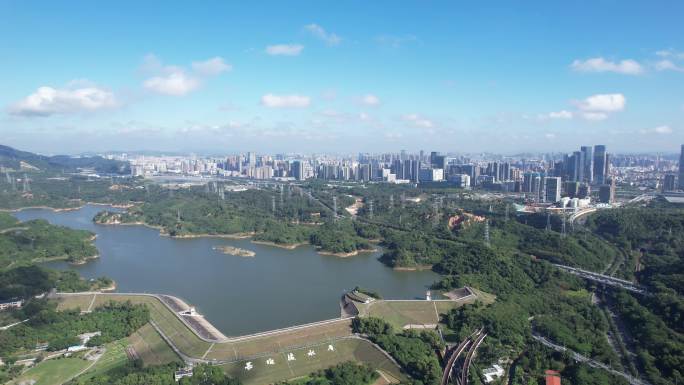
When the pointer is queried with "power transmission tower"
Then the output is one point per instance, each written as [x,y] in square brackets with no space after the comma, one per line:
[273,204]
[370,209]
[391,202]
[282,189]
[178,215]
[27,187]
[403,200]
[548,222]
[334,209]
[490,208]
[486,234]
[435,213]
[563,234]
[507,206]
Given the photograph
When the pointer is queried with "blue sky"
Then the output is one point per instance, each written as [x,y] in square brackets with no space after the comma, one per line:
[341,76]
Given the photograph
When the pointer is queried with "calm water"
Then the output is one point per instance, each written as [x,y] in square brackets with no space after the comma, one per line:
[238,295]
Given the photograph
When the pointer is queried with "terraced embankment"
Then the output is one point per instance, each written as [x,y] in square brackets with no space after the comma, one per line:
[233,353]
[278,354]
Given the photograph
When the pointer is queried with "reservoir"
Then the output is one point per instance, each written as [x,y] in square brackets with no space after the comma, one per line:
[239,295]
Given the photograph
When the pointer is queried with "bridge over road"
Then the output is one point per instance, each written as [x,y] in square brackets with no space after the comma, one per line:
[604,279]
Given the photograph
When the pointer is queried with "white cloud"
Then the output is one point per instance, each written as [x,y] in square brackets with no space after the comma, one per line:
[284,49]
[670,53]
[599,64]
[418,121]
[665,65]
[364,116]
[318,31]
[562,114]
[285,101]
[50,101]
[595,116]
[603,103]
[550,136]
[660,130]
[211,67]
[370,100]
[176,83]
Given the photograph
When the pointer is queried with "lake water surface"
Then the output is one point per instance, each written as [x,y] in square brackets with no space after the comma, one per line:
[277,288]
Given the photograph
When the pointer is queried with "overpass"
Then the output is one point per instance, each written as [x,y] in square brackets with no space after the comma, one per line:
[604,279]
[469,346]
[593,363]
[580,213]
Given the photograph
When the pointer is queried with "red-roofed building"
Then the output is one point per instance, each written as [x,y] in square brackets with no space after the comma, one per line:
[552,377]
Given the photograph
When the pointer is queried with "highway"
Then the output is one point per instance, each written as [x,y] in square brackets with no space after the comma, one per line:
[473,340]
[604,279]
[469,358]
[593,363]
[452,359]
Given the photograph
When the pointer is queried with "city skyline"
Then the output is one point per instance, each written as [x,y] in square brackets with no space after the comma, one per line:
[347,78]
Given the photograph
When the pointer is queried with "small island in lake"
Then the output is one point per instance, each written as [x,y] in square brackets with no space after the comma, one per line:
[232,250]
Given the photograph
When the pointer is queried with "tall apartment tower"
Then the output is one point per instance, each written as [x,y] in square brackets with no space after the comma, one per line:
[600,164]
[681,168]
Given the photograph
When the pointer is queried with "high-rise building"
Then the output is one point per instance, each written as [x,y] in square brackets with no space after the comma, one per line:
[571,188]
[577,168]
[552,189]
[587,163]
[681,168]
[583,191]
[669,182]
[297,169]
[460,180]
[600,164]
[607,191]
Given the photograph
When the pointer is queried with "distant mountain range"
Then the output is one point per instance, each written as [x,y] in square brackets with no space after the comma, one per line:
[17,160]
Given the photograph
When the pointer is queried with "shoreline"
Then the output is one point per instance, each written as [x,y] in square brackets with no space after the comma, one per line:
[205,235]
[347,255]
[109,288]
[287,246]
[413,268]
[83,261]
[61,209]
[235,251]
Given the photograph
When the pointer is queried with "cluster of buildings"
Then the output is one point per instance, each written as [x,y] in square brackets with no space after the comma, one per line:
[672,181]
[590,171]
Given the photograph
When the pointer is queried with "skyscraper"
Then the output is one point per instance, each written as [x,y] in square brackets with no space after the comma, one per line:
[587,163]
[600,164]
[681,168]
[669,182]
[577,162]
[297,169]
[607,191]
[552,189]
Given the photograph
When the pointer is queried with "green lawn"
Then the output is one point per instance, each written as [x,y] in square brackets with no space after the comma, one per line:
[151,348]
[115,356]
[282,369]
[54,372]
